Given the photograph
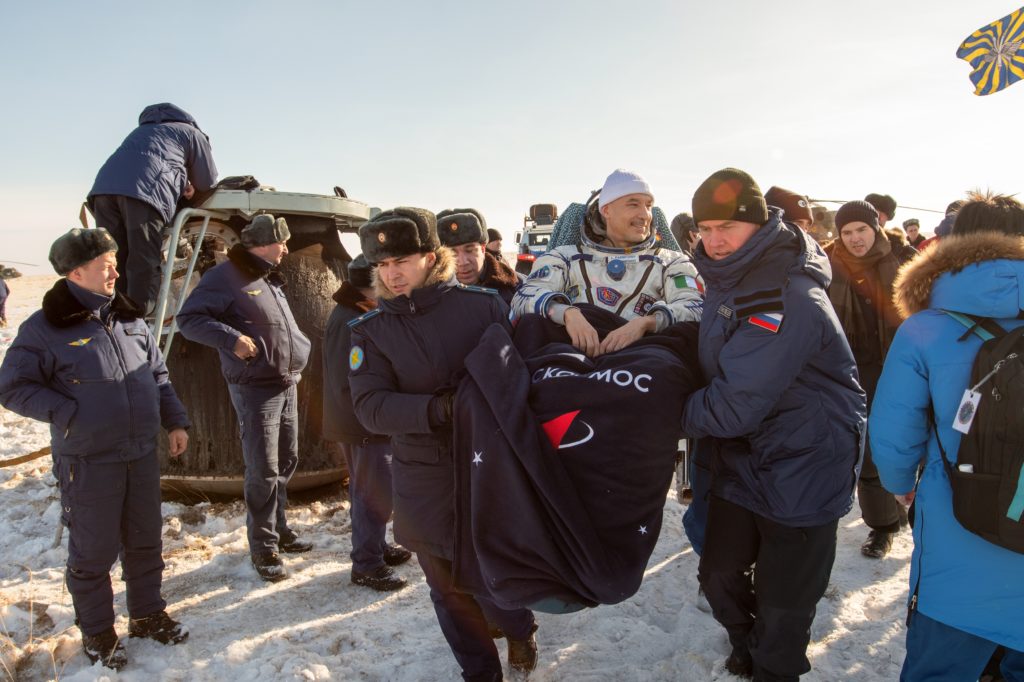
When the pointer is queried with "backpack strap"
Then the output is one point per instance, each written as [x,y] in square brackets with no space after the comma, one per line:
[983,327]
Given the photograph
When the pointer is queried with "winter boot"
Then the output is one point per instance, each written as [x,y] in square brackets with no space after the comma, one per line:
[382,579]
[740,663]
[269,566]
[396,555]
[702,601]
[159,627]
[105,648]
[522,653]
[877,545]
[289,543]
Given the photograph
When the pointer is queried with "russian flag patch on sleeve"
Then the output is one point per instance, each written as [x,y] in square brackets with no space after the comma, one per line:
[769,321]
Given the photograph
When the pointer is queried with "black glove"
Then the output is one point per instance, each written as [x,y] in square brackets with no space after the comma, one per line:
[439,410]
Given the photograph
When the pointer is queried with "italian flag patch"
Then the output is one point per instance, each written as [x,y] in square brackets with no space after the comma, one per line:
[687,282]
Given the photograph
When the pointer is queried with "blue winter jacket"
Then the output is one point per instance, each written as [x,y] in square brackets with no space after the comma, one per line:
[402,356]
[96,377]
[245,295]
[157,159]
[959,578]
[782,414]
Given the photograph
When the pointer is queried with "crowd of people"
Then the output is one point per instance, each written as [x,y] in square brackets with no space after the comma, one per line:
[801,346]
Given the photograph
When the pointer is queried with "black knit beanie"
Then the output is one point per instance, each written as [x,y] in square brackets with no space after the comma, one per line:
[853,211]
[730,194]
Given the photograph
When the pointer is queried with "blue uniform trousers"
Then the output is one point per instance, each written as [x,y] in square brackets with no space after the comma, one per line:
[369,489]
[268,421]
[137,228]
[695,518]
[463,619]
[940,653]
[111,510]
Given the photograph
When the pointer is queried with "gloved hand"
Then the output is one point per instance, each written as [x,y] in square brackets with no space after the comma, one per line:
[439,410]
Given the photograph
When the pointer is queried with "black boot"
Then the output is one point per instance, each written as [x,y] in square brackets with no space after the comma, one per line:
[522,653]
[159,627]
[269,566]
[105,648]
[383,579]
[740,663]
[289,543]
[396,555]
[877,545]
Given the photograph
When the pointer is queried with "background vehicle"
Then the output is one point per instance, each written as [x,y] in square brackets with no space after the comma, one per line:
[533,240]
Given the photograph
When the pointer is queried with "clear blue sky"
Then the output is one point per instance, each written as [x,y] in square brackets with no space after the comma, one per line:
[501,105]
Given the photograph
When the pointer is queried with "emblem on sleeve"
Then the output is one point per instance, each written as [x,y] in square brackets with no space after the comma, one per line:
[543,273]
[769,321]
[356,357]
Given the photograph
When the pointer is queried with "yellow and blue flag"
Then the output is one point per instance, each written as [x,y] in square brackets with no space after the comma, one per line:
[996,52]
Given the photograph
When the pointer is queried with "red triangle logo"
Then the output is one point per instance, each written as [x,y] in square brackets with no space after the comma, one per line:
[557,427]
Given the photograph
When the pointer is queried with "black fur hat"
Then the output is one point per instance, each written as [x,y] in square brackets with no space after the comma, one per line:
[360,273]
[883,203]
[264,230]
[399,232]
[78,246]
[457,226]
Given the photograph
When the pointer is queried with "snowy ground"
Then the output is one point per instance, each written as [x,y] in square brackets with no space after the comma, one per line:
[317,626]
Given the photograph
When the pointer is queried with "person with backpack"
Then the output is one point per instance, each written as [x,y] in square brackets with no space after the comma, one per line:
[966,595]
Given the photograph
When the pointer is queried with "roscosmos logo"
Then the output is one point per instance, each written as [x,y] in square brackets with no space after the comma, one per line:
[559,427]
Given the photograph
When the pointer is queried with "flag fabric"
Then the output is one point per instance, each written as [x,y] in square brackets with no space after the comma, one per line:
[996,52]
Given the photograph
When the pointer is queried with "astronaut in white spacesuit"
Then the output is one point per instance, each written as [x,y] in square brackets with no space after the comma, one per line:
[618,266]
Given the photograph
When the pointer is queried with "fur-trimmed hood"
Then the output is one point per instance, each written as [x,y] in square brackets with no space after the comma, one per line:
[496,274]
[442,272]
[62,309]
[970,273]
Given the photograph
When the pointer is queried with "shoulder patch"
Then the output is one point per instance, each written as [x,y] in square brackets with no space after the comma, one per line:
[769,321]
[543,273]
[773,306]
[352,324]
[356,356]
[687,282]
[758,295]
[478,289]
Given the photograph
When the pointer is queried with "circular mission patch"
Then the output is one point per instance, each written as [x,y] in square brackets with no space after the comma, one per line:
[355,358]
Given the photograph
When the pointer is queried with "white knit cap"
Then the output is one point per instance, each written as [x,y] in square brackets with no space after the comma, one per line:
[620,183]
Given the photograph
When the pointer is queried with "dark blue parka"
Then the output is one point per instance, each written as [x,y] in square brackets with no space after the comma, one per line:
[401,358]
[782,415]
[245,296]
[96,376]
[157,159]
[340,423]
